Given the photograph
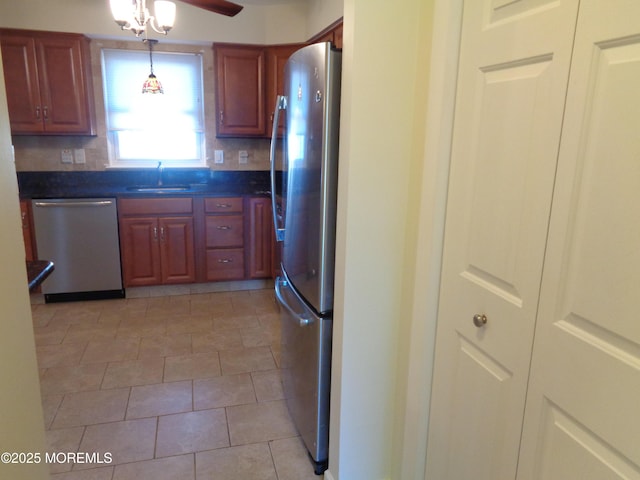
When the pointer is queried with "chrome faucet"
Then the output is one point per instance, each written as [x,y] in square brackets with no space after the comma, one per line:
[160,169]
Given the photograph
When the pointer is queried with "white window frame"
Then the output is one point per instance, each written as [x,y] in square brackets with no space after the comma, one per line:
[160,108]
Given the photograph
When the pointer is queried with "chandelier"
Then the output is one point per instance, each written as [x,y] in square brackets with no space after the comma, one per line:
[134,15]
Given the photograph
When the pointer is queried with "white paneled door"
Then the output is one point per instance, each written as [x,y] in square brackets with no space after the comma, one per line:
[513,73]
[582,418]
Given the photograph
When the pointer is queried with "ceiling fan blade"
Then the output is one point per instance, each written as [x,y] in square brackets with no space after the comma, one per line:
[222,7]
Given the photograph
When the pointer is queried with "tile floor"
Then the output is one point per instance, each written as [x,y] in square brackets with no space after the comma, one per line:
[179,387]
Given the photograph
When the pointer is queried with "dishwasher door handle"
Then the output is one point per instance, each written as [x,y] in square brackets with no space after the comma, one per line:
[71,204]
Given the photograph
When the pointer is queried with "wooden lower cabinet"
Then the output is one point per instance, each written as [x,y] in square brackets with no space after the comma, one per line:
[224,238]
[188,240]
[260,239]
[156,249]
[27,230]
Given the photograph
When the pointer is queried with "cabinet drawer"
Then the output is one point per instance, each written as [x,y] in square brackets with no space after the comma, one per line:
[224,231]
[225,264]
[155,206]
[223,205]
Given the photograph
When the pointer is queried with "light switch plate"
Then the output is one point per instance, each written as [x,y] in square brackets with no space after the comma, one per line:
[218,156]
[66,155]
[78,154]
[243,156]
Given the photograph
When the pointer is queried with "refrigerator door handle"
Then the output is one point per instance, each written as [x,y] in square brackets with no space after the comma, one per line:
[281,104]
[303,318]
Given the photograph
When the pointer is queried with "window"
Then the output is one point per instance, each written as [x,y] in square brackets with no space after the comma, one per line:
[145,129]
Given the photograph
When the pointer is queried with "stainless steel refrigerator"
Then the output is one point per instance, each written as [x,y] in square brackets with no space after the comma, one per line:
[304,192]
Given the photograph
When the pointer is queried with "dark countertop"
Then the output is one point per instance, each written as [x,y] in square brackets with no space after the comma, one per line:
[117,183]
[38,271]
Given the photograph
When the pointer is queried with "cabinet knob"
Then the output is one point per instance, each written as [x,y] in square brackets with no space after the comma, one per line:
[479,320]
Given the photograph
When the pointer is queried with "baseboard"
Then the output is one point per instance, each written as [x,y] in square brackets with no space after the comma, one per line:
[328,476]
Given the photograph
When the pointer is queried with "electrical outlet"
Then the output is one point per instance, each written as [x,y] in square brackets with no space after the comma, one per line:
[218,156]
[243,156]
[78,154]
[66,155]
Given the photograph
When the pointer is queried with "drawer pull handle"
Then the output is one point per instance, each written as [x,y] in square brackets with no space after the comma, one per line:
[223,227]
[225,260]
[223,205]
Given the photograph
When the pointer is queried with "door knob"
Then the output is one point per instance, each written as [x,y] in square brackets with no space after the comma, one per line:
[479,320]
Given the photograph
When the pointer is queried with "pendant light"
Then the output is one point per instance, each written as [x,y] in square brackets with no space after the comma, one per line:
[151,84]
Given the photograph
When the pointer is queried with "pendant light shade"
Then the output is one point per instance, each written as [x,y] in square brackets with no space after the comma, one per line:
[151,84]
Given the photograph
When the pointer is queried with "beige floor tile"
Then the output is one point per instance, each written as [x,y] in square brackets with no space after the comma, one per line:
[234,321]
[290,458]
[73,378]
[80,333]
[248,462]
[127,441]
[259,337]
[63,440]
[259,422]
[189,324]
[50,335]
[223,391]
[103,473]
[191,432]
[115,350]
[160,399]
[59,355]
[170,468]
[268,385]
[244,360]
[165,345]
[88,408]
[133,372]
[50,405]
[141,327]
[187,367]
[216,341]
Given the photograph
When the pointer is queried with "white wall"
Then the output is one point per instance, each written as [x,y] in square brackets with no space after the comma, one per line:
[21,421]
[385,80]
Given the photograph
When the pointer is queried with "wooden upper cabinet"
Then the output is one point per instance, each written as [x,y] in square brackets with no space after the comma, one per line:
[240,101]
[48,82]
[277,57]
[333,34]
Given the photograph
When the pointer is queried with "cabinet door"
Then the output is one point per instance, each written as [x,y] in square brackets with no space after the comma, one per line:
[277,57]
[240,90]
[67,96]
[140,251]
[27,229]
[259,251]
[177,250]
[22,86]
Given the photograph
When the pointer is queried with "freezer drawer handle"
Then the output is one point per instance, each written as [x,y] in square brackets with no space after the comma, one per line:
[98,203]
[303,319]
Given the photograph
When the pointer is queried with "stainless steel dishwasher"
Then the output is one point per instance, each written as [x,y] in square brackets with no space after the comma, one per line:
[80,236]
